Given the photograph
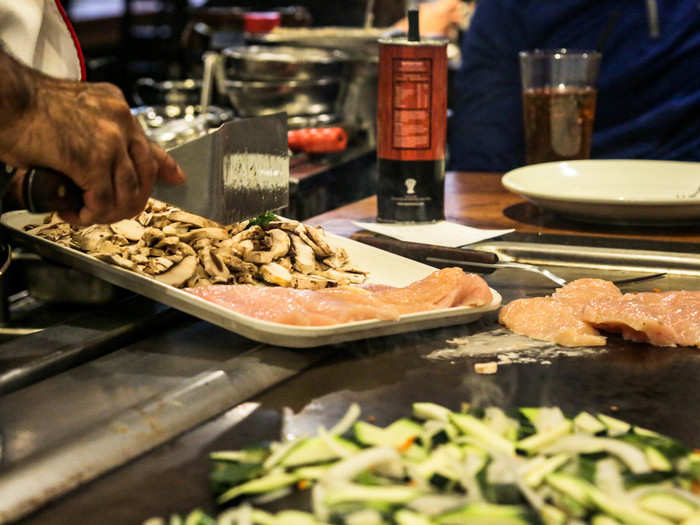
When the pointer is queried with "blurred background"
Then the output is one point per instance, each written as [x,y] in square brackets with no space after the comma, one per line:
[186,66]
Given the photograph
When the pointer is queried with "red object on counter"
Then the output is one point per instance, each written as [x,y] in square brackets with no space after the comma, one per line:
[261,22]
[318,140]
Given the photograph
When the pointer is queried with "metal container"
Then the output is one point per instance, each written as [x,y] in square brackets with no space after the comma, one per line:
[170,126]
[283,63]
[150,92]
[295,97]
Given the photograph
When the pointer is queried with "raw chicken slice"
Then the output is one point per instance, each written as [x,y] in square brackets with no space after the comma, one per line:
[559,318]
[445,288]
[659,318]
[298,307]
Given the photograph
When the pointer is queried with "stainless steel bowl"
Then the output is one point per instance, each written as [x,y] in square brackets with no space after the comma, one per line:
[186,92]
[283,63]
[296,97]
[170,126]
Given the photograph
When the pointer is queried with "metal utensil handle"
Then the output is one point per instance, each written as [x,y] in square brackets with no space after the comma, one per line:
[45,190]
[431,253]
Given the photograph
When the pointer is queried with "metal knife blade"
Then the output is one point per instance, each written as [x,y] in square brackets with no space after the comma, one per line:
[238,171]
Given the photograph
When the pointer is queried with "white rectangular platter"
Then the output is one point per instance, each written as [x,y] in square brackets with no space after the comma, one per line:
[383,268]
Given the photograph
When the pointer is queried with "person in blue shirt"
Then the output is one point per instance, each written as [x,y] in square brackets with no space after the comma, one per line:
[648,103]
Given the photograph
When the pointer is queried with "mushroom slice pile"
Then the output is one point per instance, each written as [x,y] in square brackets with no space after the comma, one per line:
[182,249]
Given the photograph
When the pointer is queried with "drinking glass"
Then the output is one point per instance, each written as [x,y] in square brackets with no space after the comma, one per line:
[559,99]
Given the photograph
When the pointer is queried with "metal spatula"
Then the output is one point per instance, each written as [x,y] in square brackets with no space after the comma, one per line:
[475,261]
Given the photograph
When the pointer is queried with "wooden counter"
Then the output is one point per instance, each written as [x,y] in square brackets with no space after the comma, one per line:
[480,200]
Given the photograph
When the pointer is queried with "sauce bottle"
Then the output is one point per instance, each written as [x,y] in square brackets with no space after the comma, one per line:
[411,127]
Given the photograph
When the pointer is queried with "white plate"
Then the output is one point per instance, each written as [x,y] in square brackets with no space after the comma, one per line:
[384,268]
[621,191]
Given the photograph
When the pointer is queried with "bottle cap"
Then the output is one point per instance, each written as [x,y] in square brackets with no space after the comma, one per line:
[261,22]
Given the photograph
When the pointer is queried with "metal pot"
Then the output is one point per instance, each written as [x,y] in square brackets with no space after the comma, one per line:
[150,92]
[170,126]
[295,97]
[283,63]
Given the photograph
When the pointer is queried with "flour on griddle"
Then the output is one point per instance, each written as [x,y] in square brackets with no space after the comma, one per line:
[507,348]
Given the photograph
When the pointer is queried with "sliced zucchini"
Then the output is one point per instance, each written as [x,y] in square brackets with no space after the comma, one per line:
[585,422]
[407,517]
[616,427]
[602,519]
[353,492]
[543,439]
[573,487]
[486,513]
[657,461]
[667,505]
[536,474]
[623,510]
[431,411]
[552,516]
[264,484]
[483,433]
[248,455]
[315,450]
[395,435]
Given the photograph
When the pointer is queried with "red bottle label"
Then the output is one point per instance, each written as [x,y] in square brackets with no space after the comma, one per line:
[412,103]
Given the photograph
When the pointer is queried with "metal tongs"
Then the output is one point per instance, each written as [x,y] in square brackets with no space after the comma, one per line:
[476,261]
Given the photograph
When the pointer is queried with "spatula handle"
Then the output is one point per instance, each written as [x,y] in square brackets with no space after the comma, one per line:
[422,252]
[45,190]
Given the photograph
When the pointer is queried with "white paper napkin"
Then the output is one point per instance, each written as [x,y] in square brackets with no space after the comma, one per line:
[441,233]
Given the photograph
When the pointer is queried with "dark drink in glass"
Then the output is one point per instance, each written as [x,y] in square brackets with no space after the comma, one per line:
[558,123]
[559,99]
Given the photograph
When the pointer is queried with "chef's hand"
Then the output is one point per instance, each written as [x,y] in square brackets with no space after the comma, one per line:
[86,131]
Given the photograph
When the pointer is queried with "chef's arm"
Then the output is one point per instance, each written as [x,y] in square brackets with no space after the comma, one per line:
[86,131]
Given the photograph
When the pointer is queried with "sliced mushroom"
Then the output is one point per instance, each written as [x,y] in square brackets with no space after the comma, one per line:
[258,257]
[176,228]
[338,260]
[168,242]
[318,235]
[190,218]
[129,229]
[308,282]
[152,236]
[236,264]
[274,273]
[119,239]
[216,269]
[301,232]
[185,249]
[139,258]
[158,265]
[156,206]
[304,260]
[200,244]
[180,273]
[107,247]
[116,259]
[289,226]
[215,234]
[144,218]
[246,278]
[237,227]
[90,238]
[246,246]
[286,262]
[343,278]
[280,243]
[254,232]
